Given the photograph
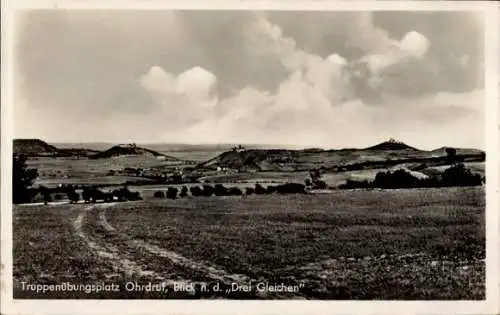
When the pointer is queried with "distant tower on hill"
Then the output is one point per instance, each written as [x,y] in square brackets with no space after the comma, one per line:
[238,148]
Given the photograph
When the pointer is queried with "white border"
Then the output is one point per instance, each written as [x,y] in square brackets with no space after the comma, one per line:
[492,60]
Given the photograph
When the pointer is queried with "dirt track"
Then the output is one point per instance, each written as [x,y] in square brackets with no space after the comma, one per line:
[122,263]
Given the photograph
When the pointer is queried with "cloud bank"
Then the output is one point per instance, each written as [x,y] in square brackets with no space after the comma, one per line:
[322,80]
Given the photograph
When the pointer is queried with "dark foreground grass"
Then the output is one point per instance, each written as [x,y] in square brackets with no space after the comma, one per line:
[407,244]
[270,237]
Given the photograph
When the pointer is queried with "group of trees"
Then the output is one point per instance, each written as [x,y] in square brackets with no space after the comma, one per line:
[287,188]
[89,194]
[23,192]
[221,190]
[455,175]
[196,191]
[172,193]
[60,191]
[93,194]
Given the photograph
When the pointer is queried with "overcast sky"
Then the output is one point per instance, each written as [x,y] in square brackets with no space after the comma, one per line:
[336,79]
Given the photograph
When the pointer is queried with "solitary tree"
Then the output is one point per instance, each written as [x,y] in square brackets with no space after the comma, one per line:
[45,192]
[73,196]
[451,155]
[159,194]
[315,180]
[184,191]
[22,180]
[172,192]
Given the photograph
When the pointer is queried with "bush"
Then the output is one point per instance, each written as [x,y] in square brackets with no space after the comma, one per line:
[458,175]
[319,184]
[259,190]
[291,188]
[123,194]
[58,196]
[73,196]
[249,191]
[397,179]
[86,194]
[184,191]
[235,191]
[133,196]
[172,193]
[45,192]
[196,191]
[159,194]
[352,184]
[220,190]
[271,189]
[208,190]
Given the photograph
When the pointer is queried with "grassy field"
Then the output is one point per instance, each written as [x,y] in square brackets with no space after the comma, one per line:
[398,244]
[53,171]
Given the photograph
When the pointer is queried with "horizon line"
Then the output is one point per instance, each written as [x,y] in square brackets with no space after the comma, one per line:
[277,145]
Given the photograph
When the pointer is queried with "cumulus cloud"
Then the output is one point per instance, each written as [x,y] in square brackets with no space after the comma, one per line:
[412,46]
[316,104]
[185,98]
[327,79]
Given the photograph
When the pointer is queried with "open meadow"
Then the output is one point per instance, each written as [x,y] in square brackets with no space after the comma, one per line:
[360,244]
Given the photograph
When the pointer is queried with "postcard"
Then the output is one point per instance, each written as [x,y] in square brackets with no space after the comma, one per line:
[257,157]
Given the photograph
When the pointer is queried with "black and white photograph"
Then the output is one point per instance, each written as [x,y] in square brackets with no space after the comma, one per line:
[228,154]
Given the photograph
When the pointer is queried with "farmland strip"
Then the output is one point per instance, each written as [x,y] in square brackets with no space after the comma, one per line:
[112,254]
[212,272]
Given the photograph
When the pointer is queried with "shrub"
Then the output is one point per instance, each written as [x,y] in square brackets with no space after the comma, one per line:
[133,196]
[456,175]
[459,175]
[86,194]
[259,190]
[220,190]
[397,179]
[159,194]
[123,194]
[249,191]
[271,189]
[291,188]
[352,184]
[319,184]
[184,191]
[207,190]
[196,191]
[58,196]
[235,191]
[45,192]
[172,193]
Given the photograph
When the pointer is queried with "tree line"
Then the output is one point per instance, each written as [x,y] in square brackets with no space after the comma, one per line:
[23,192]
[221,190]
[455,175]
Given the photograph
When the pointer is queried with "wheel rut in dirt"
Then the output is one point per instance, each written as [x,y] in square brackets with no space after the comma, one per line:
[120,256]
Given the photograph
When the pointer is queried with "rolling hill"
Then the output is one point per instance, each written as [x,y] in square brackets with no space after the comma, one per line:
[385,154]
[130,150]
[40,148]
[391,145]
[33,147]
